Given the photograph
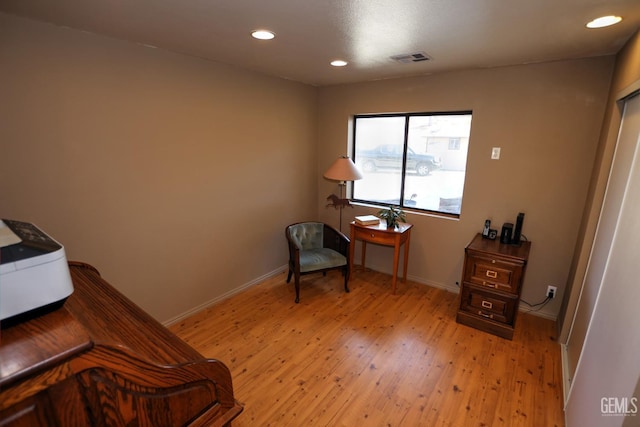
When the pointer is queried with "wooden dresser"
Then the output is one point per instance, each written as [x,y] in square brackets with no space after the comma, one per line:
[491,285]
[100,360]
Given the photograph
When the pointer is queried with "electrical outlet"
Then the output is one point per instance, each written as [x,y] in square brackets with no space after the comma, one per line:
[495,153]
[551,291]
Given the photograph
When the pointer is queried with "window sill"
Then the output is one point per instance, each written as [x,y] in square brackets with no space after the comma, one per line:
[409,211]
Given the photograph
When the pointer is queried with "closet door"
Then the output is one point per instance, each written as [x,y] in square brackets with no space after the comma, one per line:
[618,177]
[604,342]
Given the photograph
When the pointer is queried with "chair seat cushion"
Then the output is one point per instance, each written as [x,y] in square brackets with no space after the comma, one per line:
[320,258]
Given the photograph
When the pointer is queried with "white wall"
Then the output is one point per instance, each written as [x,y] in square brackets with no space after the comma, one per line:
[547,119]
[172,175]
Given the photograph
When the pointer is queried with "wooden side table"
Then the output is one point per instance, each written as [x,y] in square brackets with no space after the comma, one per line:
[382,235]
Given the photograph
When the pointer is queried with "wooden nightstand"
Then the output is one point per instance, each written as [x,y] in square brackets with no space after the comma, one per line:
[491,285]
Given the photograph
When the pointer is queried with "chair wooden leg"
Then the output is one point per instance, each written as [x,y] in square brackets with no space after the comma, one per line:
[345,273]
[297,288]
[289,275]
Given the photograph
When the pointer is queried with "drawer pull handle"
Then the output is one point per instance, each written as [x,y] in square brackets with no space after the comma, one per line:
[491,285]
[487,305]
[492,274]
[373,235]
[489,316]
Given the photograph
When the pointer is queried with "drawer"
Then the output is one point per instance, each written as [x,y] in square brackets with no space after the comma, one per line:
[375,236]
[487,305]
[493,273]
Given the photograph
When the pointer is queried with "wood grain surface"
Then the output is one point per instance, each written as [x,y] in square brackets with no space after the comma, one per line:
[371,358]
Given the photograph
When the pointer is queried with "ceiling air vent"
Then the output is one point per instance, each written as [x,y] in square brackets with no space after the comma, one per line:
[407,58]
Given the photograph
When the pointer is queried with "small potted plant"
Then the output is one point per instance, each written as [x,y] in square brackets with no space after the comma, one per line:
[392,216]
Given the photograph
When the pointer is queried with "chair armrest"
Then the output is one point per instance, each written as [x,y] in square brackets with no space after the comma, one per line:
[336,240]
[293,246]
[294,251]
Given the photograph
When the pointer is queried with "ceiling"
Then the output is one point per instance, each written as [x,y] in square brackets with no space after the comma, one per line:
[456,34]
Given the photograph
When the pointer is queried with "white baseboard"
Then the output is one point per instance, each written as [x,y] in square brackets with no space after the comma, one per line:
[566,378]
[448,288]
[540,313]
[223,297]
[438,285]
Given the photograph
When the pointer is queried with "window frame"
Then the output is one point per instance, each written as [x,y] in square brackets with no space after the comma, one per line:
[405,145]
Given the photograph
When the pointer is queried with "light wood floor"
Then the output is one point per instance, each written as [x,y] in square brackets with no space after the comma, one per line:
[370,358]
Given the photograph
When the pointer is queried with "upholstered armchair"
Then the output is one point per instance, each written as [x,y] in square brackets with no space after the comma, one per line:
[316,247]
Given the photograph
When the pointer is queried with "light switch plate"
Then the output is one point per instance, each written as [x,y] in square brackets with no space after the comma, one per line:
[495,153]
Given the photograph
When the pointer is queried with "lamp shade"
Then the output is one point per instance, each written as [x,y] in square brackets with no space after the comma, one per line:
[343,169]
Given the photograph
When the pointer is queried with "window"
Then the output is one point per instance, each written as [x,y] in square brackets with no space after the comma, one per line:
[408,160]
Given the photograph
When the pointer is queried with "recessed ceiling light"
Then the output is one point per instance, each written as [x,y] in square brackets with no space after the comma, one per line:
[338,63]
[263,34]
[604,21]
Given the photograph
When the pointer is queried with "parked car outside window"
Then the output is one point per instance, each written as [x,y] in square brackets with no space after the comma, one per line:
[389,156]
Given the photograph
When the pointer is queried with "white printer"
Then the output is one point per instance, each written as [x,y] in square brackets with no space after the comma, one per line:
[34,274]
